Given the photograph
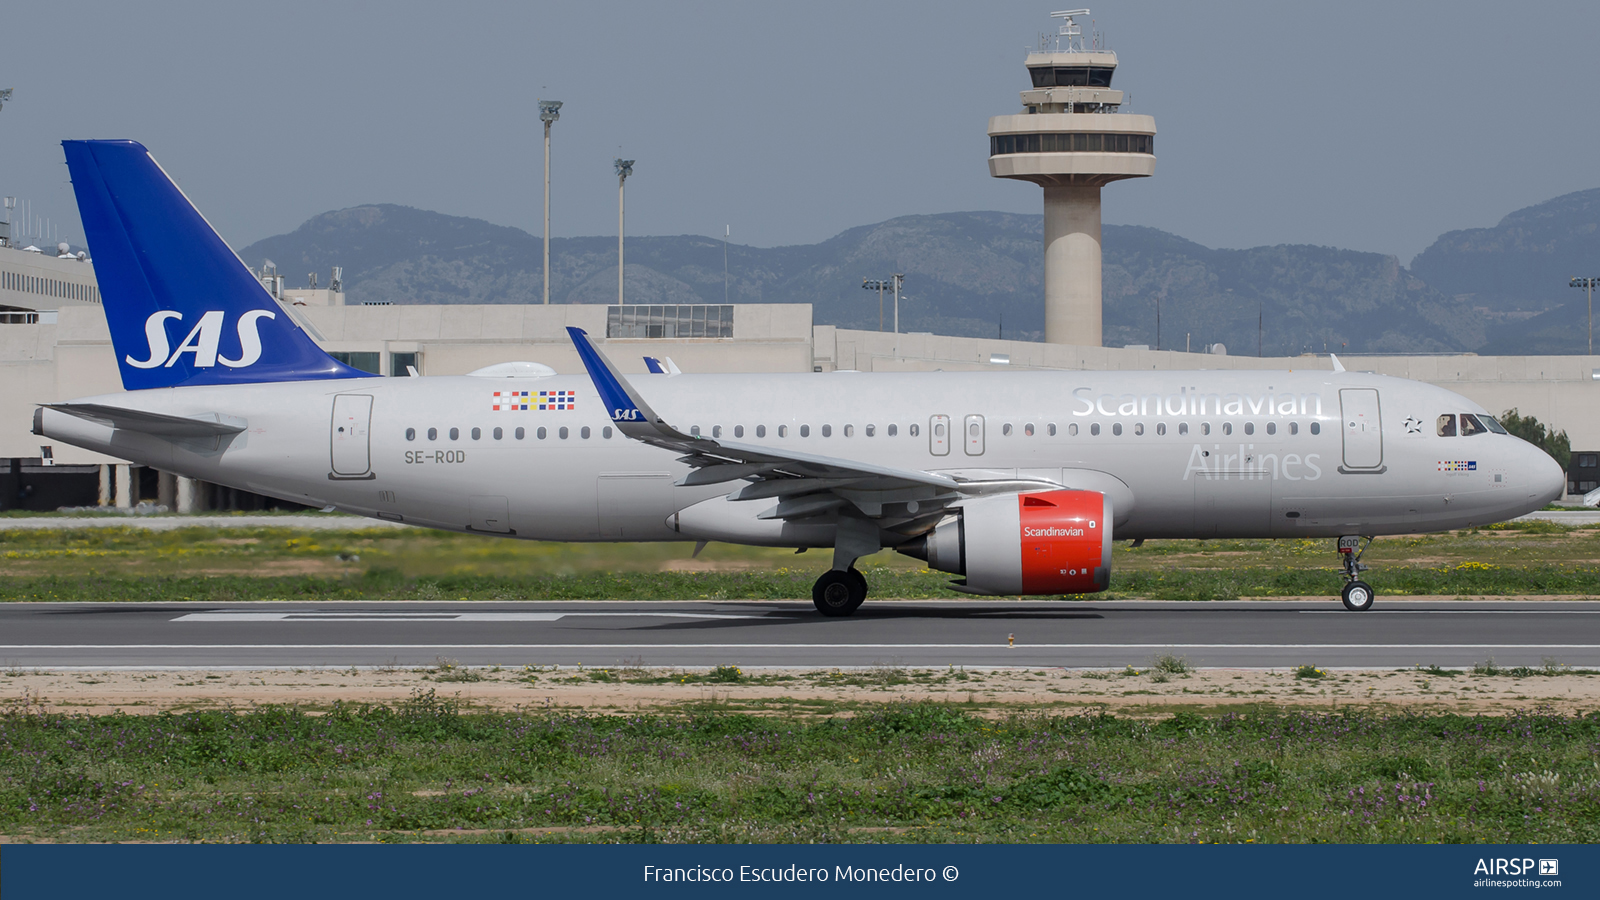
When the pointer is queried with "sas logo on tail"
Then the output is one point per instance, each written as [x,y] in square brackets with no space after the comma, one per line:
[202,340]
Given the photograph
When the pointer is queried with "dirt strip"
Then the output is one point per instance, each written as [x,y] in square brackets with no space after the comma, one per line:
[1140,692]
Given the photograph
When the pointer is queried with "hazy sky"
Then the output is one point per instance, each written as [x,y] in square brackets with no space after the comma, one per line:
[1367,125]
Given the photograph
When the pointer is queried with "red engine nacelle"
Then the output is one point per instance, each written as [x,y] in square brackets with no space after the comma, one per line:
[1051,542]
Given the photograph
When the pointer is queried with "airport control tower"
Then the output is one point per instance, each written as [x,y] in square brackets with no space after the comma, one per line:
[1071,140]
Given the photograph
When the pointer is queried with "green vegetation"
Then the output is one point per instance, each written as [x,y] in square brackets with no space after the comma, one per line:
[1540,435]
[427,770]
[213,565]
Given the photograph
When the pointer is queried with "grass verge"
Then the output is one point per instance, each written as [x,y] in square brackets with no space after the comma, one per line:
[425,769]
[776,584]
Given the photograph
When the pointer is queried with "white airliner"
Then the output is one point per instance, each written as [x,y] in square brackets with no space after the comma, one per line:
[1017,481]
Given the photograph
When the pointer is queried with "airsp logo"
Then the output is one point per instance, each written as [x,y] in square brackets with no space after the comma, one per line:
[202,340]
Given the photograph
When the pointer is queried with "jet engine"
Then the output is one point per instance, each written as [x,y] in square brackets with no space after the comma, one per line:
[1050,542]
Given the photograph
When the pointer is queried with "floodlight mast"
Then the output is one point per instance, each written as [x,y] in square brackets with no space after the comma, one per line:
[1588,286]
[549,111]
[879,285]
[624,169]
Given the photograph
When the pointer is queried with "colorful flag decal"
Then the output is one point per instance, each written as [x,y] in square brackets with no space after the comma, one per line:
[507,401]
[557,399]
[512,401]
[1458,465]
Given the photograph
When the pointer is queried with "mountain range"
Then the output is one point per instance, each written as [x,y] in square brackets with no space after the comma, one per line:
[1500,289]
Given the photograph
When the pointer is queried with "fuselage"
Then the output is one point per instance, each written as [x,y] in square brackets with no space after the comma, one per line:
[1182,454]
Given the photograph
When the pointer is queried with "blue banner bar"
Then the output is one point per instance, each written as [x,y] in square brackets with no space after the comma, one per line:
[394,872]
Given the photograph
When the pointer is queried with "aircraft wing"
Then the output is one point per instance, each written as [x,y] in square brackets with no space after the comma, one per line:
[207,425]
[804,483]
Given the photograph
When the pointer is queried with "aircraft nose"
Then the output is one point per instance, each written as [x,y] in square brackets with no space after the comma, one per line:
[1547,482]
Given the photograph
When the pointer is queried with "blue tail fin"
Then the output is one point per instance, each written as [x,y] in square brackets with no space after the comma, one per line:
[182,307]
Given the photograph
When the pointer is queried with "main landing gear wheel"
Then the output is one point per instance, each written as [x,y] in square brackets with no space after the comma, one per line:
[839,593]
[1357,596]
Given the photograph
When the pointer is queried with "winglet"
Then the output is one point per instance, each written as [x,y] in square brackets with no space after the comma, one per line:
[633,416]
[1337,366]
[654,365]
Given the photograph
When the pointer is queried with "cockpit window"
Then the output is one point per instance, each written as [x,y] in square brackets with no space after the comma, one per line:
[1470,425]
[1447,425]
[1492,425]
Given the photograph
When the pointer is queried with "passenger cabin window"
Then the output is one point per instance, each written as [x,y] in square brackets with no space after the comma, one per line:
[1116,429]
[411,434]
[606,432]
[914,430]
[563,433]
[1316,427]
[1050,429]
[1072,429]
[520,433]
[1161,428]
[738,431]
[1205,427]
[542,433]
[1006,429]
[1183,427]
[584,432]
[1447,425]
[805,431]
[716,431]
[783,431]
[871,430]
[1138,428]
[1294,427]
[1227,428]
[477,434]
[827,431]
[1272,428]
[1028,429]
[1249,428]
[1094,429]
[499,433]
[761,431]
[433,434]
[455,434]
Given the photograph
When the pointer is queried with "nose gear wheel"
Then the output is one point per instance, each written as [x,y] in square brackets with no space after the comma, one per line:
[1357,594]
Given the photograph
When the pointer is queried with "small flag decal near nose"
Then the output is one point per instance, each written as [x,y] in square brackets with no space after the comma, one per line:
[513,401]
[507,401]
[1458,465]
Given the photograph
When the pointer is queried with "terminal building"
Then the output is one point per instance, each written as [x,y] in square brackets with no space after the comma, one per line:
[1071,138]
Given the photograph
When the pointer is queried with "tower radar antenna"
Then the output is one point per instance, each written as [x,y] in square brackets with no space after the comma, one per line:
[1069,30]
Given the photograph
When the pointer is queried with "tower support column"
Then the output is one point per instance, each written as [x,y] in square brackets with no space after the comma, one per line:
[1072,264]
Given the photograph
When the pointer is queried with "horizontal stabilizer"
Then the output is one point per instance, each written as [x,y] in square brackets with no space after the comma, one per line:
[204,425]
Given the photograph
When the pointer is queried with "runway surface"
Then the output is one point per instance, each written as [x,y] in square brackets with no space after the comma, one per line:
[755,634]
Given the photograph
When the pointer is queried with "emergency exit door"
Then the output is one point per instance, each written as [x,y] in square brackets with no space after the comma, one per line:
[974,435]
[939,435]
[352,446]
[1363,431]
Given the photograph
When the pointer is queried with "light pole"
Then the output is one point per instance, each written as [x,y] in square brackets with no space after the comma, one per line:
[549,111]
[1588,286]
[624,169]
[879,285]
[898,278]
